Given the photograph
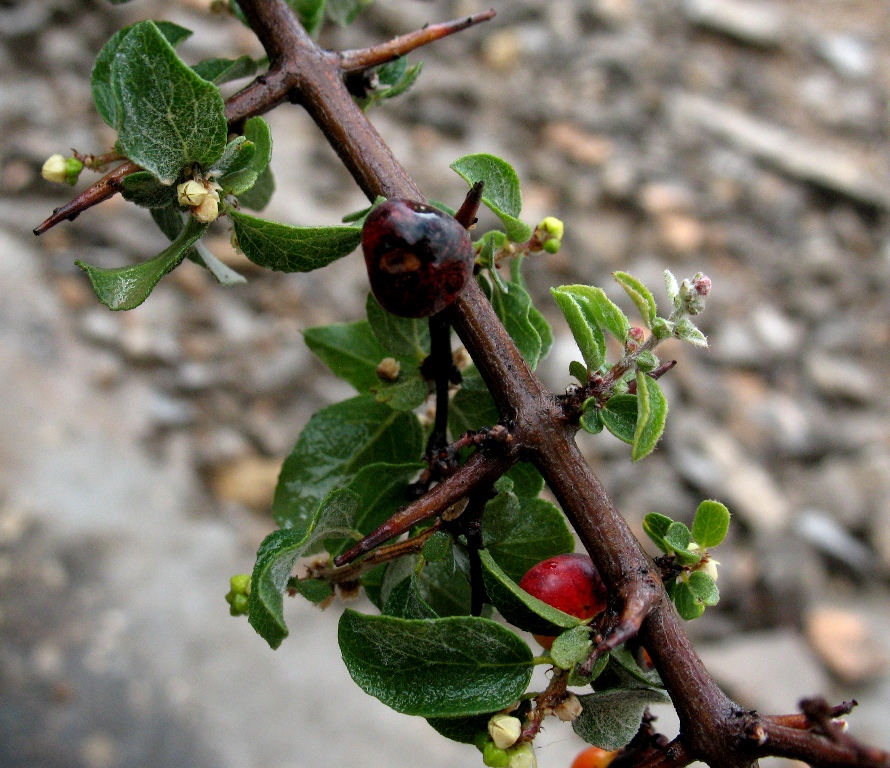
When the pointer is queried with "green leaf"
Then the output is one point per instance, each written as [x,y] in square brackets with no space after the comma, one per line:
[619,416]
[276,558]
[652,411]
[128,287]
[585,329]
[444,584]
[449,667]
[257,131]
[222,273]
[671,287]
[219,71]
[101,78]
[521,532]
[315,590]
[607,314]
[513,307]
[591,419]
[462,729]
[336,443]
[610,719]
[311,13]
[688,605]
[343,12]
[381,489]
[472,407]
[656,527]
[703,588]
[686,330]
[501,194]
[437,547]
[400,336]
[259,195]
[576,679]
[517,606]
[405,602]
[527,481]
[394,79]
[710,524]
[571,647]
[143,189]
[350,350]
[543,329]
[640,295]
[292,249]
[405,394]
[678,538]
[631,671]
[237,156]
[167,116]
[578,370]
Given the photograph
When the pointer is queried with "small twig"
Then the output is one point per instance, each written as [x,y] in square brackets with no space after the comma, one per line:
[471,523]
[364,58]
[98,162]
[657,373]
[441,363]
[800,720]
[466,214]
[672,755]
[545,704]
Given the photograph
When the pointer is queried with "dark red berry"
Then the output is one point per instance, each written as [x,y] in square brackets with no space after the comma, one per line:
[570,583]
[418,258]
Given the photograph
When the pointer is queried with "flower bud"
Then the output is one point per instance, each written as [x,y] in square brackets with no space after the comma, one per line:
[709,567]
[504,730]
[568,709]
[523,756]
[61,170]
[238,605]
[552,245]
[552,227]
[389,369]
[240,583]
[191,193]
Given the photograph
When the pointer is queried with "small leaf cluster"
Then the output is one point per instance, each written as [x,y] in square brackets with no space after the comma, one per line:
[636,418]
[691,571]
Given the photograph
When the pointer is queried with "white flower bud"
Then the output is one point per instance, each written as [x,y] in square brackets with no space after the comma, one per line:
[523,756]
[208,210]
[504,730]
[389,369]
[55,169]
[191,193]
[568,709]
[710,568]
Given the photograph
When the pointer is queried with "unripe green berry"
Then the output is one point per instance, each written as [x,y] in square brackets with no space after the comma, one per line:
[552,245]
[495,757]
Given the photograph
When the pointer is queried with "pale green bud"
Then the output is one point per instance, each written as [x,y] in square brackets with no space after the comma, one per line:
[61,170]
[504,730]
[553,227]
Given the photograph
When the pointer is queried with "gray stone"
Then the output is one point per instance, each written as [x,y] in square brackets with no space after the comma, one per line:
[756,23]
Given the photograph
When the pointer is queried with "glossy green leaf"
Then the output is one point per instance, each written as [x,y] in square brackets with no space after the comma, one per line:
[619,416]
[571,647]
[703,588]
[591,418]
[257,131]
[610,719]
[512,307]
[640,295]
[292,249]
[279,552]
[167,116]
[336,443]
[382,490]
[585,329]
[656,527]
[128,287]
[101,78]
[408,392]
[711,524]
[219,71]
[258,196]
[678,539]
[447,667]
[350,350]
[576,679]
[394,79]
[517,606]
[521,532]
[399,336]
[472,407]
[405,602]
[461,729]
[143,189]
[437,547]
[526,479]
[444,584]
[501,194]
[688,605]
[237,155]
[543,329]
[623,659]
[652,411]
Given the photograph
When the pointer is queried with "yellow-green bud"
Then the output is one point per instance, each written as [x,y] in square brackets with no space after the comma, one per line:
[552,245]
[240,583]
[191,193]
[504,730]
[522,756]
[553,227]
[238,605]
[61,170]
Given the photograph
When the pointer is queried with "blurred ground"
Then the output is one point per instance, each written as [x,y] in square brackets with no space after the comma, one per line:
[138,451]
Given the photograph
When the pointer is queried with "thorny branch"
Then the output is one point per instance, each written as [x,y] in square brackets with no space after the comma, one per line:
[713,728]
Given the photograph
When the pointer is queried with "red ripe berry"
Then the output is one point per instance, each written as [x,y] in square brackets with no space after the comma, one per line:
[418,258]
[570,583]
[593,757]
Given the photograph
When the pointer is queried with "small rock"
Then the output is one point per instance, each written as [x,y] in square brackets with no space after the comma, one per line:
[841,377]
[756,23]
[582,147]
[502,50]
[683,235]
[845,643]
[827,535]
[659,198]
[249,480]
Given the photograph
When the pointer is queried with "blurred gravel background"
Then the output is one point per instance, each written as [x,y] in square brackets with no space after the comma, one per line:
[138,451]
